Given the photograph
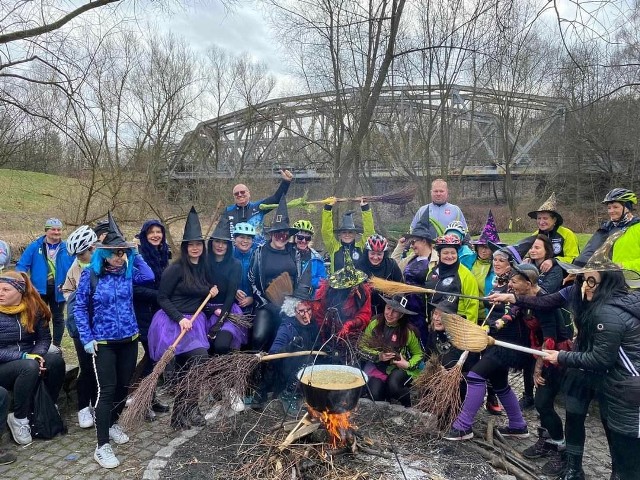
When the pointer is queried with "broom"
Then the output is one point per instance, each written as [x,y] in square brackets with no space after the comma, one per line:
[395,197]
[300,202]
[467,336]
[391,288]
[143,397]
[280,287]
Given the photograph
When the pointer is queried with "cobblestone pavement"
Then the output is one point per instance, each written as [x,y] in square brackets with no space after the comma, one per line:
[71,456]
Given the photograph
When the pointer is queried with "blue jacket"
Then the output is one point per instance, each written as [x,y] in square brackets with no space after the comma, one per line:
[318,270]
[289,328]
[34,262]
[112,304]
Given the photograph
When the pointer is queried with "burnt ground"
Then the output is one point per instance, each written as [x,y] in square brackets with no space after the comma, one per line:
[246,446]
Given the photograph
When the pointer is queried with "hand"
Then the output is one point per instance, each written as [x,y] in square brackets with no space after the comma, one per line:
[245,302]
[32,356]
[502,298]
[186,324]
[217,312]
[91,347]
[240,295]
[402,240]
[569,279]
[499,324]
[546,265]
[537,378]
[214,291]
[402,363]
[345,330]
[552,356]
[286,175]
[329,201]
[363,202]
[386,356]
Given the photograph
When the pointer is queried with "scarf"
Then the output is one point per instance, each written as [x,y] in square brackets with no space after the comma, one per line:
[114,270]
[15,309]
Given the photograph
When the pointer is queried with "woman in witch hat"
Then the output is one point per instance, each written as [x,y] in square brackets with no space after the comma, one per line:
[392,347]
[108,330]
[340,242]
[269,262]
[224,272]
[550,223]
[183,287]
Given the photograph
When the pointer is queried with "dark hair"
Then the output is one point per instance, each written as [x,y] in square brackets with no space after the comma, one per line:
[156,257]
[612,284]
[193,275]
[402,331]
[546,243]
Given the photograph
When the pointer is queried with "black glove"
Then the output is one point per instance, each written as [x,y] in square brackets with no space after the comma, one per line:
[296,344]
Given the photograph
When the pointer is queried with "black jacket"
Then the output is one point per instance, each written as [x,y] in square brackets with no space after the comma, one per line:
[615,350]
[14,339]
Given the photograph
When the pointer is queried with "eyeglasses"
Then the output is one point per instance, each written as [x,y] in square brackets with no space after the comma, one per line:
[119,253]
[591,282]
[239,193]
[281,236]
[304,312]
[303,238]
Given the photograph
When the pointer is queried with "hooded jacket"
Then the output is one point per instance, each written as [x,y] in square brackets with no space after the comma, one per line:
[34,262]
[616,351]
[225,275]
[601,235]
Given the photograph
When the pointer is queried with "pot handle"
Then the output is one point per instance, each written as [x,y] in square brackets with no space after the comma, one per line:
[276,356]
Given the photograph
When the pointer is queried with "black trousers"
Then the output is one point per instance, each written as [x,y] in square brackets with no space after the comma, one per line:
[265,326]
[21,377]
[86,384]
[397,387]
[625,455]
[544,401]
[57,314]
[186,400]
[114,365]
[4,408]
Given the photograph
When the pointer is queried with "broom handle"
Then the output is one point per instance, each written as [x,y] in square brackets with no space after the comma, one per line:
[196,313]
[459,295]
[520,348]
[276,356]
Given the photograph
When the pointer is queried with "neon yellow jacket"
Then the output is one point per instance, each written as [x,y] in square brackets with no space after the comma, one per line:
[468,307]
[331,242]
[569,244]
[626,250]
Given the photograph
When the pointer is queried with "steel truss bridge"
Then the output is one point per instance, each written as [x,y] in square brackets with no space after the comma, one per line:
[415,129]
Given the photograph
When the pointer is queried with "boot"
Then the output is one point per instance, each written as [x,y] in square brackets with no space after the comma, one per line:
[574,467]
[557,464]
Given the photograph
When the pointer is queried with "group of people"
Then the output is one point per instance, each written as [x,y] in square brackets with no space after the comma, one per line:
[118,294]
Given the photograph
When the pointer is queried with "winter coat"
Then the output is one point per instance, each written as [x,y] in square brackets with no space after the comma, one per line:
[108,314]
[442,214]
[318,270]
[626,250]
[564,242]
[615,350]
[551,280]
[34,262]
[334,247]
[462,282]
[14,339]
[599,237]
[290,328]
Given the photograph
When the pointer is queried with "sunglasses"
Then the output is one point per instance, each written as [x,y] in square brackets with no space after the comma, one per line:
[239,193]
[281,235]
[303,238]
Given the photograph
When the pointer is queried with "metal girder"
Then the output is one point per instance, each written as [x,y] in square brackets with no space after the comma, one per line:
[418,126]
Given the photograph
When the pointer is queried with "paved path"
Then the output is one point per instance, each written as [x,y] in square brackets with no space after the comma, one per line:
[71,456]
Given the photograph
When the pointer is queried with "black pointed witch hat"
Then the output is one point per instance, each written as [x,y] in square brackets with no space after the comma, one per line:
[304,290]
[515,252]
[347,224]
[114,238]
[192,229]
[424,228]
[222,230]
[281,219]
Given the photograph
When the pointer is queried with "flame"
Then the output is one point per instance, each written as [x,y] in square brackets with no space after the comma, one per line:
[338,425]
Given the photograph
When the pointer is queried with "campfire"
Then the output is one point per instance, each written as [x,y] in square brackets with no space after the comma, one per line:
[338,425]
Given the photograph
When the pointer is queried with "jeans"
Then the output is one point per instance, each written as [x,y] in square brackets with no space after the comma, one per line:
[57,314]
[114,365]
[86,385]
[21,377]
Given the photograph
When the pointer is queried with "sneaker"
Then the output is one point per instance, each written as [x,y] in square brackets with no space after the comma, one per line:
[237,403]
[458,435]
[20,429]
[493,406]
[540,449]
[557,464]
[526,402]
[6,457]
[117,435]
[514,432]
[85,418]
[105,457]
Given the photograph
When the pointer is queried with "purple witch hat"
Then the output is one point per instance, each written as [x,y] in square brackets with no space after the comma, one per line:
[489,232]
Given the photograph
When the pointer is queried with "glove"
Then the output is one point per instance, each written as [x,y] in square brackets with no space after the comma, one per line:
[31,356]
[295,344]
[91,348]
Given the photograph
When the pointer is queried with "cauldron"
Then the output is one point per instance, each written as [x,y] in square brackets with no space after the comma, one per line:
[331,400]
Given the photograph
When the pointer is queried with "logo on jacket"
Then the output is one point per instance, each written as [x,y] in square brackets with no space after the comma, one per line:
[355,255]
[447,281]
[557,248]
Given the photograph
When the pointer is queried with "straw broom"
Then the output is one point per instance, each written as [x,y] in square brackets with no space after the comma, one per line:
[401,196]
[143,397]
[279,288]
[391,288]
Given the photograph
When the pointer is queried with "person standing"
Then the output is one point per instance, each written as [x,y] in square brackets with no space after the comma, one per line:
[244,210]
[440,210]
[46,261]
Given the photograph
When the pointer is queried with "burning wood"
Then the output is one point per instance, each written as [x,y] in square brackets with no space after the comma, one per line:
[338,425]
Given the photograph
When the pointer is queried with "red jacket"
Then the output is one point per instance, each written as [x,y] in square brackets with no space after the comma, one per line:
[350,319]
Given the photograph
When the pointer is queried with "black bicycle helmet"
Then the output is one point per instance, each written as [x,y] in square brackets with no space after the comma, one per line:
[621,195]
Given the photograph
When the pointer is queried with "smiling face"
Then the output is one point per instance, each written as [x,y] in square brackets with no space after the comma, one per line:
[241,195]
[436,321]
[194,250]
[9,296]
[302,240]
[448,255]
[347,236]
[537,252]
[219,247]
[117,258]
[501,265]
[154,235]
[421,247]
[616,211]
[53,235]
[243,242]
[279,240]
[375,258]
[391,316]
[520,285]
[545,221]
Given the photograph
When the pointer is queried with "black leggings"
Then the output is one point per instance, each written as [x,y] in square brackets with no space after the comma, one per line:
[57,314]
[527,375]
[186,401]
[544,401]
[265,326]
[222,343]
[86,385]
[21,377]
[624,455]
[397,387]
[491,369]
[114,365]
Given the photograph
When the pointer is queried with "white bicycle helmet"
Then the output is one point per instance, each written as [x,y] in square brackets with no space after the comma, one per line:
[456,226]
[81,239]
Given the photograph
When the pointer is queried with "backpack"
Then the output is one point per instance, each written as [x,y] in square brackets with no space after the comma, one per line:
[45,419]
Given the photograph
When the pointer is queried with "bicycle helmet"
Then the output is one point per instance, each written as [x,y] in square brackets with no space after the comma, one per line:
[377,243]
[304,226]
[621,195]
[456,226]
[244,228]
[444,241]
[81,239]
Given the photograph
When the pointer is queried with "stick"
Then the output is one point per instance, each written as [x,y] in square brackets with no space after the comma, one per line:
[393,288]
[302,353]
[143,397]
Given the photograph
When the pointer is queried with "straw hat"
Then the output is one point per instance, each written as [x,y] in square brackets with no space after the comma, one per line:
[551,206]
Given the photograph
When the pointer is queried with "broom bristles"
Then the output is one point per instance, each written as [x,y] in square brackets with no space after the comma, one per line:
[401,196]
[391,288]
[279,288]
[464,334]
[441,395]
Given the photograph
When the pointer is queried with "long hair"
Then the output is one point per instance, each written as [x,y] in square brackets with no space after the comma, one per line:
[546,243]
[35,306]
[612,284]
[156,257]
[401,331]
[99,260]
[193,275]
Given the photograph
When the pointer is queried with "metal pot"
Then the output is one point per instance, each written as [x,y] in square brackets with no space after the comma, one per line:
[331,400]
